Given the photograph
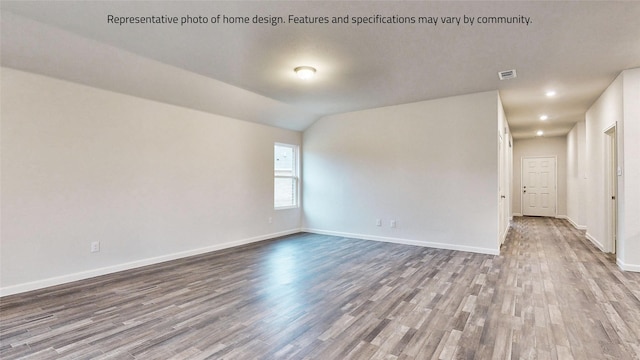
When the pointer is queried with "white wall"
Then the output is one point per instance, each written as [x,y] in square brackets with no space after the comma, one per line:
[150,181]
[541,146]
[577,176]
[432,166]
[605,112]
[619,104]
[629,182]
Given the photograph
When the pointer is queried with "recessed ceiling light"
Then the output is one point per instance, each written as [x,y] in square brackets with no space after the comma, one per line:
[305,72]
[550,93]
[544,117]
[540,133]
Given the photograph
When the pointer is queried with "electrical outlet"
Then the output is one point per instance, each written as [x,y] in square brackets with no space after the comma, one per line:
[95,246]
[378,222]
[270,220]
[392,223]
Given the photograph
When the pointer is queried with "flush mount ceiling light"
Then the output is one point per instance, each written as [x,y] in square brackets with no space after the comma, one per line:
[305,72]
[550,93]
[544,117]
[540,133]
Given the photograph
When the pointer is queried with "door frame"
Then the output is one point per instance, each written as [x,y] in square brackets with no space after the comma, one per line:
[611,186]
[555,184]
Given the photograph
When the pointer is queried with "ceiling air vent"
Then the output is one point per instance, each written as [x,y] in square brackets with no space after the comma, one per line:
[507,74]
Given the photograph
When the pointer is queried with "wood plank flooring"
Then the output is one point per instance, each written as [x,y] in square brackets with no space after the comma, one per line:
[549,295]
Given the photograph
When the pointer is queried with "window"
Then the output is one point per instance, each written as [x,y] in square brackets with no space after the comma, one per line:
[285,167]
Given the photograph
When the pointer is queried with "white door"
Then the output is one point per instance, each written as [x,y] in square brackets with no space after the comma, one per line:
[503,188]
[611,171]
[501,219]
[539,186]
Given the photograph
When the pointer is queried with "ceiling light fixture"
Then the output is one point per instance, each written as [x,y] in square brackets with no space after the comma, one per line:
[540,133]
[305,72]
[550,93]
[544,117]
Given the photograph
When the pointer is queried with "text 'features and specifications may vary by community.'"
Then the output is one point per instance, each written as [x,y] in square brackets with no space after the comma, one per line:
[377,19]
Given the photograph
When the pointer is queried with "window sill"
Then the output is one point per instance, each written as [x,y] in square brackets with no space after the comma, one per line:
[286,207]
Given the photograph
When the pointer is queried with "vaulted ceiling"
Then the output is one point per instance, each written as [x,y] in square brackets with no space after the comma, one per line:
[246,70]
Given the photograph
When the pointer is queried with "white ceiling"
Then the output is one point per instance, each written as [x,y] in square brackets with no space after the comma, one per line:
[246,70]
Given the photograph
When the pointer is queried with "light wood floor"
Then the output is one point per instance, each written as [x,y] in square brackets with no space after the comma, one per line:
[549,295]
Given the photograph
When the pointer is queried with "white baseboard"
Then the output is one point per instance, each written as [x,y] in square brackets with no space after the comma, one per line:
[472,249]
[58,280]
[503,238]
[595,241]
[516,214]
[627,267]
[573,223]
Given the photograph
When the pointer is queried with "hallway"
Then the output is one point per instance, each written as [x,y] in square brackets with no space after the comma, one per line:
[564,296]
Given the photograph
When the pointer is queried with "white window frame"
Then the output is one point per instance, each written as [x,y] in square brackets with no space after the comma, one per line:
[295,176]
